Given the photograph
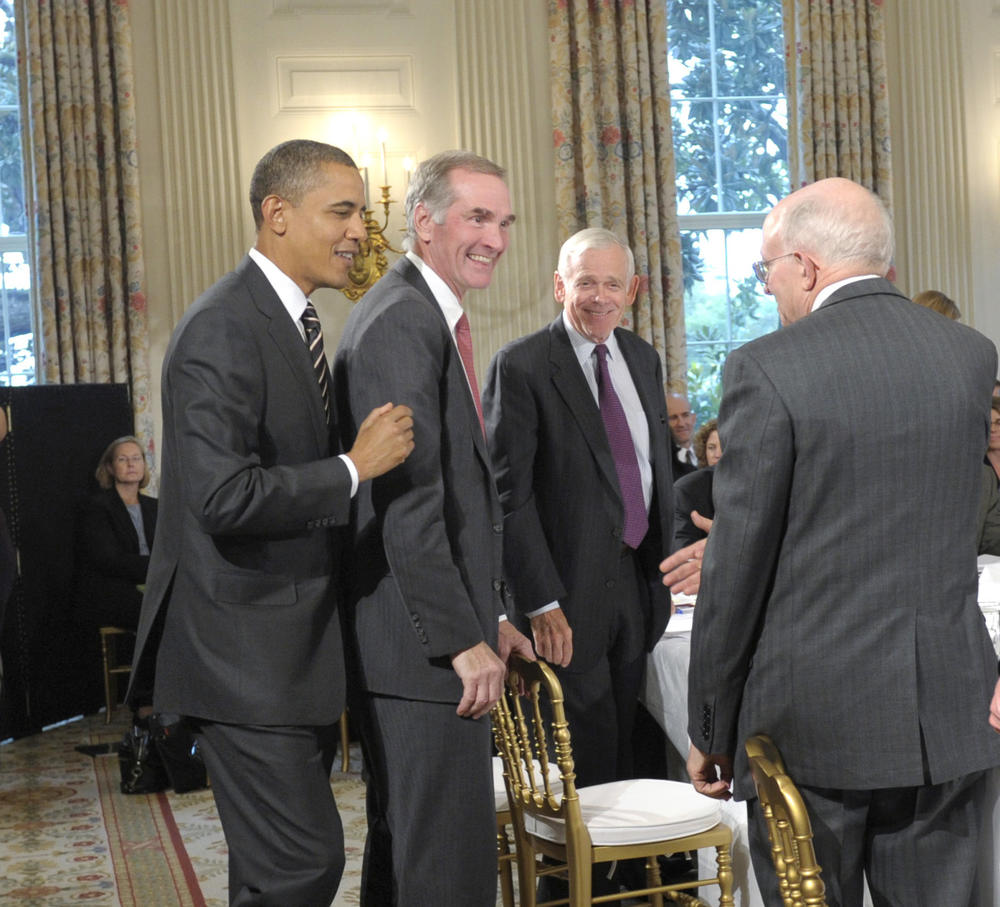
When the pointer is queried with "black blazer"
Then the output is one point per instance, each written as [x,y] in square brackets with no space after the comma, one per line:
[109,566]
[680,467]
[692,492]
[564,515]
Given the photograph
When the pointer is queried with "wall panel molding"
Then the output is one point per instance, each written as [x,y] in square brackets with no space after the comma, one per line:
[204,210]
[344,82]
[504,114]
[930,180]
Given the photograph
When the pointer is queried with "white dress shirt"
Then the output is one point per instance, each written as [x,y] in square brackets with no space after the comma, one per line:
[294,302]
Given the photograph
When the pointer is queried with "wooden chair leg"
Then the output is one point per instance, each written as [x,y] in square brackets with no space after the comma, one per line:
[109,702]
[345,743]
[505,862]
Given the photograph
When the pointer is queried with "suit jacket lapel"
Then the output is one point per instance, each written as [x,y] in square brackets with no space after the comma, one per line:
[647,390]
[568,379]
[409,271]
[290,345]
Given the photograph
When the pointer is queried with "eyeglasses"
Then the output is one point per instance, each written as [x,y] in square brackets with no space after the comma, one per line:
[138,458]
[761,268]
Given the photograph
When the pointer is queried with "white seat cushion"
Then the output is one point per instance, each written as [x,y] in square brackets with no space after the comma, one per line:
[634,812]
[500,789]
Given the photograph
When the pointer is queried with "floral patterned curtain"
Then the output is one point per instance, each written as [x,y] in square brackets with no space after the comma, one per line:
[614,150]
[88,262]
[838,99]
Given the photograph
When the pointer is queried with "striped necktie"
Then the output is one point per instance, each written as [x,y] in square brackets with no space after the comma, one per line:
[314,340]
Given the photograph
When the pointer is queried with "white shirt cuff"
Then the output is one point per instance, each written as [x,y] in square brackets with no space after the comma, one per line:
[353,470]
[551,606]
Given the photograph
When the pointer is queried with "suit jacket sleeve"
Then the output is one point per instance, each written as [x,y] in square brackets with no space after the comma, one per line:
[402,357]
[751,485]
[231,480]
[511,416]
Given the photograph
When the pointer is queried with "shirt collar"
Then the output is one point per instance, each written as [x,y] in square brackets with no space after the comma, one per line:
[584,346]
[288,291]
[445,297]
[824,294]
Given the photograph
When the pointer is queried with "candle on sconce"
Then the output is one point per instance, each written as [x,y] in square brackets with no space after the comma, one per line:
[382,136]
[408,167]
[366,160]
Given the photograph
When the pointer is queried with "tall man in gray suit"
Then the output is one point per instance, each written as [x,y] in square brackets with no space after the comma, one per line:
[241,577]
[837,610]
[425,614]
[588,505]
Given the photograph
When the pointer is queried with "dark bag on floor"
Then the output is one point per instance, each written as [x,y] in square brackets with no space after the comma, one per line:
[179,753]
[142,769]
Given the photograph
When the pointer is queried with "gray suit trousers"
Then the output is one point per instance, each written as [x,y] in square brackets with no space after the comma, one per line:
[272,788]
[431,810]
[918,846]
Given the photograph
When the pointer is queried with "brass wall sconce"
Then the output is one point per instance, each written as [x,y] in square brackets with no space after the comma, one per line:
[370,263]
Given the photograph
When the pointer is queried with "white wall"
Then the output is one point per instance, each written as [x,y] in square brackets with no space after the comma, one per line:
[980,52]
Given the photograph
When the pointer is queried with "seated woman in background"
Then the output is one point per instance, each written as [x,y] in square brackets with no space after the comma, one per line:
[936,300]
[115,533]
[993,451]
[694,491]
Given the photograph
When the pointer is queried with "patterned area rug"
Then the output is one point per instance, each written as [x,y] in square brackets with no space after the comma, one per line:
[68,836]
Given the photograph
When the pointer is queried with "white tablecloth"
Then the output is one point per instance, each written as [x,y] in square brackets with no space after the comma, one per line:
[665,696]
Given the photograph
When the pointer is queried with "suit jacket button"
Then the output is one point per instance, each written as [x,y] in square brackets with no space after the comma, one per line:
[609,584]
[498,528]
[617,534]
[497,585]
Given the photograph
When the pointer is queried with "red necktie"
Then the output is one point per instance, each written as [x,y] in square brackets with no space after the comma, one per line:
[463,339]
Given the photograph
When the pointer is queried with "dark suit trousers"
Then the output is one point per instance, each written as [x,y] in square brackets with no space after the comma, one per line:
[272,788]
[431,811]
[601,701]
[918,846]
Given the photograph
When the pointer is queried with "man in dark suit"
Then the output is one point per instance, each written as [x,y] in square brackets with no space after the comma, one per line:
[425,588]
[837,610]
[682,422]
[242,571]
[588,506]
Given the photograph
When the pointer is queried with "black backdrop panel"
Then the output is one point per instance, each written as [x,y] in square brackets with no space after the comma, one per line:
[58,432]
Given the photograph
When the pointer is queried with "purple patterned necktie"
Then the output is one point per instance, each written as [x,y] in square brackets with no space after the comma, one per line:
[623,450]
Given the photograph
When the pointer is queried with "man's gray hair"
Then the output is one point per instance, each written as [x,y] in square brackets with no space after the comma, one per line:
[593,238]
[431,185]
[815,225]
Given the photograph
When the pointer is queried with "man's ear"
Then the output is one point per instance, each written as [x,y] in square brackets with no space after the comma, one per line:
[558,288]
[810,271]
[423,223]
[274,213]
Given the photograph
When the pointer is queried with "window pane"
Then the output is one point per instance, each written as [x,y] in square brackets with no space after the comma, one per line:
[690,50]
[8,56]
[695,158]
[17,348]
[749,48]
[724,305]
[12,211]
[753,147]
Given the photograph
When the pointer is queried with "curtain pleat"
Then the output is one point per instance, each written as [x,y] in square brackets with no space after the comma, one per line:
[613,148]
[838,100]
[86,226]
